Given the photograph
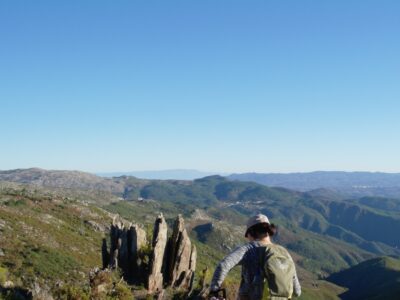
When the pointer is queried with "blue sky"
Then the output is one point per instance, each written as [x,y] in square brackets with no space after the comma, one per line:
[234,86]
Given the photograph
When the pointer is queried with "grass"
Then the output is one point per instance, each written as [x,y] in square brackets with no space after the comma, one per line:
[47,239]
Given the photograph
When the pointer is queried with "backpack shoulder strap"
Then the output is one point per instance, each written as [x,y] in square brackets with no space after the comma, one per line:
[261,258]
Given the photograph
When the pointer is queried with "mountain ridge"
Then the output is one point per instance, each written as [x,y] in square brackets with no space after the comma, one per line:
[348,183]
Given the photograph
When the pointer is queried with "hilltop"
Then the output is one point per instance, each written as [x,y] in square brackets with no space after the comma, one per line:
[61,179]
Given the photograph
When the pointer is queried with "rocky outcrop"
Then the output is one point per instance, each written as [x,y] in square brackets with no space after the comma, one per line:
[156,276]
[166,262]
[126,240]
[182,257]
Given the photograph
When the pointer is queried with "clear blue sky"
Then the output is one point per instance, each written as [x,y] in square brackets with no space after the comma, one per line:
[267,86]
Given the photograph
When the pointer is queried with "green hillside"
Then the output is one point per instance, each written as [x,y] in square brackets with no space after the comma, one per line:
[48,240]
[375,279]
[51,233]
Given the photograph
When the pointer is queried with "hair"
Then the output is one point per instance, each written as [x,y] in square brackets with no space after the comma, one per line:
[261,229]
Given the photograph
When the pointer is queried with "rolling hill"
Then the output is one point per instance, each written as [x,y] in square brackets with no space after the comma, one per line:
[326,232]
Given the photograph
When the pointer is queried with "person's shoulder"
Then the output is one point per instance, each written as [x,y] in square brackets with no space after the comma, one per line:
[277,247]
[245,246]
[254,244]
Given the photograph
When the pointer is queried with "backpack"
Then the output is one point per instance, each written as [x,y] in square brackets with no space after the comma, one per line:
[279,270]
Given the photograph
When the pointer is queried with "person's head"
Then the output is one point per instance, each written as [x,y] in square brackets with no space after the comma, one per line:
[259,227]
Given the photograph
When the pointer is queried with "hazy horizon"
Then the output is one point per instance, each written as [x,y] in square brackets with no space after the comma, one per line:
[222,173]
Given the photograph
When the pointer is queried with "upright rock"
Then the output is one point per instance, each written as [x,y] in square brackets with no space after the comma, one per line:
[182,263]
[156,278]
[192,269]
[105,255]
[115,242]
[136,240]
[123,249]
[126,240]
[171,262]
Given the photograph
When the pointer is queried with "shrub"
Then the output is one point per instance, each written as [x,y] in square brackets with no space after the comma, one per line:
[69,292]
[122,291]
[3,275]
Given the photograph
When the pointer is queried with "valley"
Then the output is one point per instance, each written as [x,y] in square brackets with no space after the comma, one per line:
[52,224]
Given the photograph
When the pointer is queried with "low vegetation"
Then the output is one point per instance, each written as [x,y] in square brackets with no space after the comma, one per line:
[50,237]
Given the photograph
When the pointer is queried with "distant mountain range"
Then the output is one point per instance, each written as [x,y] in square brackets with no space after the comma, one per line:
[356,184]
[177,174]
[348,184]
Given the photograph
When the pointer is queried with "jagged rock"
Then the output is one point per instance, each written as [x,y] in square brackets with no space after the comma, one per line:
[40,292]
[156,279]
[126,239]
[182,258]
[136,240]
[172,262]
[96,226]
[115,232]
[1,252]
[192,268]
[105,255]
[123,249]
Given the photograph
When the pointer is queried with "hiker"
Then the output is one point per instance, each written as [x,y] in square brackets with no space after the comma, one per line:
[258,258]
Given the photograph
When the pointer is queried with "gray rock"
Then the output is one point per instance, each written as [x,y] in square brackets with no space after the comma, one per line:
[192,269]
[136,240]
[41,292]
[156,279]
[183,259]
[172,261]
[96,226]
[105,255]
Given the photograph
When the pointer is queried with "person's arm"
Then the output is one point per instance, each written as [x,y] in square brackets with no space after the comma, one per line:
[296,286]
[296,282]
[226,265]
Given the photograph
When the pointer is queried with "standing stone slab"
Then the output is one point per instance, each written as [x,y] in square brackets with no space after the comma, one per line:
[105,255]
[192,268]
[181,252]
[116,242]
[156,279]
[136,240]
[172,261]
